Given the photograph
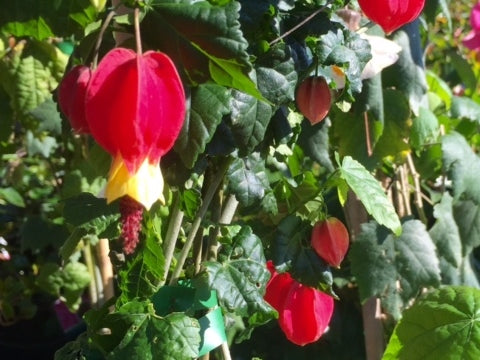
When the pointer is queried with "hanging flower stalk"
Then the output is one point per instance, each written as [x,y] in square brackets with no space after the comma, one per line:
[134,107]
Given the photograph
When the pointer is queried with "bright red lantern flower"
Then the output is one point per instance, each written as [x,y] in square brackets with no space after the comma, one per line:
[135,108]
[304,312]
[71,97]
[392,14]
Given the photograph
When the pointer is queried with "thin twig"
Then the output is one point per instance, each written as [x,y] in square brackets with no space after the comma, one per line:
[171,236]
[417,200]
[138,38]
[300,24]
[105,24]
[367,134]
[217,180]
[225,218]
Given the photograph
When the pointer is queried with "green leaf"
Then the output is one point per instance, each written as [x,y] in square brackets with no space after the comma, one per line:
[464,70]
[91,212]
[240,276]
[370,193]
[467,216]
[314,140]
[408,74]
[348,51]
[249,120]
[465,108]
[142,275]
[48,116]
[210,103]
[425,128]
[38,233]
[12,196]
[453,243]
[444,324]
[438,86]
[247,179]
[215,40]
[462,166]
[135,326]
[276,75]
[394,268]
[36,28]
[293,253]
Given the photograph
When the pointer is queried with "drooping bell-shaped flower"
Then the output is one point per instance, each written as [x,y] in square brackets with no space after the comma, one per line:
[472,39]
[71,96]
[135,108]
[304,312]
[391,14]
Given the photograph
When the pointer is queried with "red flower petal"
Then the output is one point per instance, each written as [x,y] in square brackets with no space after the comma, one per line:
[391,14]
[135,105]
[306,314]
[71,96]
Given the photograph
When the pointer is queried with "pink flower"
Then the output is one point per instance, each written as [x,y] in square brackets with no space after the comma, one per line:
[472,40]
[304,312]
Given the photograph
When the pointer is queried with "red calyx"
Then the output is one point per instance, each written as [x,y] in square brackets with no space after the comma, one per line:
[314,98]
[391,14]
[304,312]
[71,97]
[330,240]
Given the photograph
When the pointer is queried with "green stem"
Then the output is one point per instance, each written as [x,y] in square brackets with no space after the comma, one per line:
[212,189]
[171,237]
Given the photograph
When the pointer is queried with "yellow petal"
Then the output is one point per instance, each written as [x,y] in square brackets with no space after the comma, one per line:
[145,186]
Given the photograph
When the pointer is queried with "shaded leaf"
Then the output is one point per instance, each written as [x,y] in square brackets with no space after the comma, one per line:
[293,253]
[240,276]
[12,196]
[394,268]
[209,104]
[425,128]
[465,108]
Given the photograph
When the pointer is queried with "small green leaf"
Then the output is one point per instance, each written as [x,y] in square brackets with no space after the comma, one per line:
[247,179]
[370,193]
[12,196]
[444,324]
[36,28]
[438,86]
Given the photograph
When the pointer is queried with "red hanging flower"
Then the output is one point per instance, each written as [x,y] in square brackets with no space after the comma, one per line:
[135,108]
[392,14]
[71,97]
[304,312]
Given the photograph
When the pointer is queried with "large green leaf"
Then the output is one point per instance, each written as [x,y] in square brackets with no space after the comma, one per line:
[276,75]
[11,196]
[205,38]
[314,140]
[249,120]
[396,269]
[240,276]
[291,254]
[454,238]
[462,166]
[408,74]
[444,324]
[425,128]
[370,193]
[209,104]
[135,327]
